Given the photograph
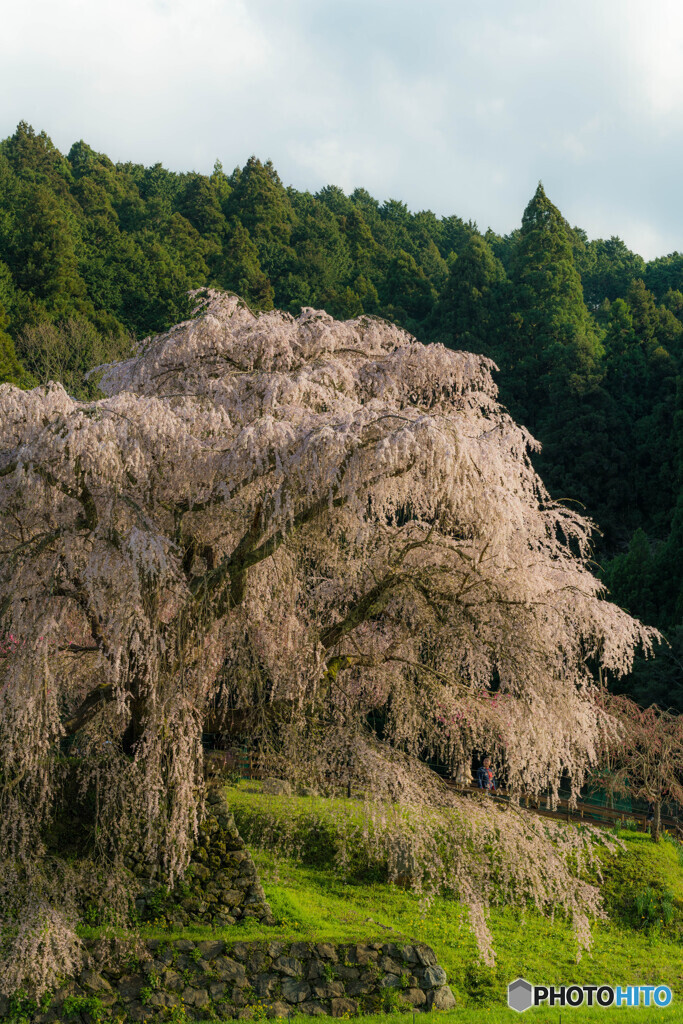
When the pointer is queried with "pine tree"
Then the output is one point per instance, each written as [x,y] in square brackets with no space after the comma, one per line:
[240,269]
[11,370]
[556,351]
[200,203]
[408,295]
[643,311]
[470,312]
[261,204]
[607,268]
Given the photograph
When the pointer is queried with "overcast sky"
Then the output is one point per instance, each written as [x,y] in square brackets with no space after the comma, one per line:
[452,106]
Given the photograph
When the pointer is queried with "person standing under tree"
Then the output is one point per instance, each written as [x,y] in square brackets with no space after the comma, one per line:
[485,776]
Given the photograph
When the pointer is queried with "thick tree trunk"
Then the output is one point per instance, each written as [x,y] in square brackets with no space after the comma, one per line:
[657,823]
[232,722]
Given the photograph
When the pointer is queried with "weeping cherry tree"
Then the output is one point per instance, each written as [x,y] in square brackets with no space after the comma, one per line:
[326,530]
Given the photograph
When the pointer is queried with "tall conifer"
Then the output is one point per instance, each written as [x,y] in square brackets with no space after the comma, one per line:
[555,350]
[470,312]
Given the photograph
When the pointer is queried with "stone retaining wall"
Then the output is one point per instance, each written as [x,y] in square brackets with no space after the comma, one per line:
[221,885]
[212,979]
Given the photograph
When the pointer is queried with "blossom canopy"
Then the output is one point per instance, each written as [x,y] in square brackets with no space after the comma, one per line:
[329,528]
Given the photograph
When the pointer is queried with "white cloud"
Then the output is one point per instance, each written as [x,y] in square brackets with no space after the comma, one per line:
[448,105]
[653,39]
[131,72]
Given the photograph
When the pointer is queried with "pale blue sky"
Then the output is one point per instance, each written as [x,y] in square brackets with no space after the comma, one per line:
[457,107]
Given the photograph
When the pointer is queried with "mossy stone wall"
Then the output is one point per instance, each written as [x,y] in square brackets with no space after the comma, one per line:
[244,980]
[221,885]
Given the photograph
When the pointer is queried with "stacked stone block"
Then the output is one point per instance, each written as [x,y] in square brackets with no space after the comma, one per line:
[221,885]
[247,980]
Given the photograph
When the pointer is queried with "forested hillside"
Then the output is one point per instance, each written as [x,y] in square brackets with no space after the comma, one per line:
[588,337]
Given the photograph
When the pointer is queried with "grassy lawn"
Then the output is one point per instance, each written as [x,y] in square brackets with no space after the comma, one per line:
[503,1015]
[316,904]
[313,901]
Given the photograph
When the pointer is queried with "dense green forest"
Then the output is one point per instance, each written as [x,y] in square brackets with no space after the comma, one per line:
[587,335]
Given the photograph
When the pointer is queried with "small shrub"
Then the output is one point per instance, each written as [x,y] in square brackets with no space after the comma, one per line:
[22,1008]
[392,1002]
[74,1006]
[91,914]
[480,982]
[653,908]
[626,825]
[157,900]
[177,1015]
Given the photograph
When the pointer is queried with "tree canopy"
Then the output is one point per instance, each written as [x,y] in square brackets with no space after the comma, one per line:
[327,520]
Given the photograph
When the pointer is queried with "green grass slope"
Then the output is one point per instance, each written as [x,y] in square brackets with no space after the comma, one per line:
[642,886]
[312,902]
[315,903]
[313,897]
